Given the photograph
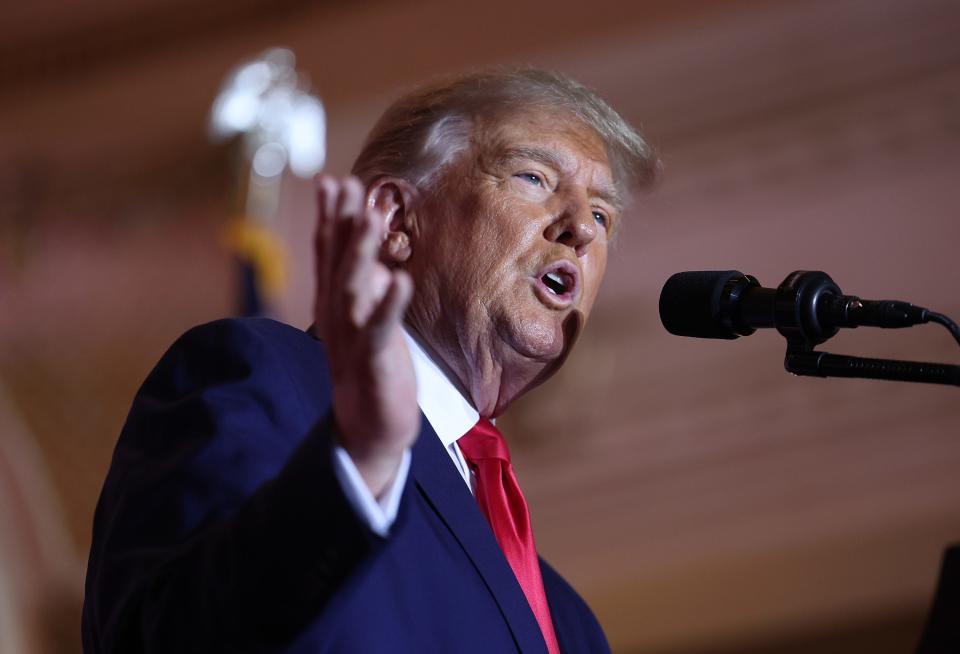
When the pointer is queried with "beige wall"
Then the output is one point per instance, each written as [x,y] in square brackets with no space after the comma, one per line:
[701,498]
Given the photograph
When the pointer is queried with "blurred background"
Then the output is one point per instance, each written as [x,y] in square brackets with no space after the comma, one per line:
[701,499]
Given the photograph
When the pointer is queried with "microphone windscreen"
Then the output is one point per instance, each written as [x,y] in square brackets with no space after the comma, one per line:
[690,303]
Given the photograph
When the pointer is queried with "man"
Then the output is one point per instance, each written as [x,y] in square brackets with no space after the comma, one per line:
[278,491]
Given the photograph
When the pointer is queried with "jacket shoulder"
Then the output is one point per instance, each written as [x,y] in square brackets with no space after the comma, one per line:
[578,629]
[231,350]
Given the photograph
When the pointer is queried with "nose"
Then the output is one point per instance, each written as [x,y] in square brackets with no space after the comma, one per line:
[574,227]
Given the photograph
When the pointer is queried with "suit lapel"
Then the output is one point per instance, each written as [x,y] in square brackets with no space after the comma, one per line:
[442,486]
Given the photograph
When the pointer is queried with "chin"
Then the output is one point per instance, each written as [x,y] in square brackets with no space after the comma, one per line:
[538,350]
[547,341]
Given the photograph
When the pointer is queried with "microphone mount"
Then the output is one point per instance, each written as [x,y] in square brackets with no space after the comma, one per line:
[809,307]
[803,308]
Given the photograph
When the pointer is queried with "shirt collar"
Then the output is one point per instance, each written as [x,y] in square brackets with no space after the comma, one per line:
[447,410]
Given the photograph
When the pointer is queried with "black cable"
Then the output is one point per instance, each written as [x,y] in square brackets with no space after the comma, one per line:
[941,319]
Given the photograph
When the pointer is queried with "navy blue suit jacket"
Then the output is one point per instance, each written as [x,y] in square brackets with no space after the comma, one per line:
[222,528]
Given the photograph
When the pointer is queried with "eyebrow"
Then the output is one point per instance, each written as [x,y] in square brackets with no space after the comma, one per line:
[606,192]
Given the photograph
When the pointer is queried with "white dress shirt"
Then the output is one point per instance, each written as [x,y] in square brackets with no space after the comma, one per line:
[450,415]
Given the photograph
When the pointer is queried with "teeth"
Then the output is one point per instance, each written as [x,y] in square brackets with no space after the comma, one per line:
[555,283]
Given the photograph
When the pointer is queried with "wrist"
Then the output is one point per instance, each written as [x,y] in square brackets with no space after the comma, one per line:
[376,461]
[379,472]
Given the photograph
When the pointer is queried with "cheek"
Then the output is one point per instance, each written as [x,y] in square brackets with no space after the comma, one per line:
[593,271]
[500,217]
[503,234]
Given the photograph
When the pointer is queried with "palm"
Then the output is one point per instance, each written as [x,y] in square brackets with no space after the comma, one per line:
[358,313]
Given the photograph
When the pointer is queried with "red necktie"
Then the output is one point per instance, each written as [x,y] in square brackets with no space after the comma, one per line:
[502,503]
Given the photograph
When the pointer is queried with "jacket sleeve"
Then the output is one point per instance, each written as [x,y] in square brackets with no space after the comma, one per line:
[221,526]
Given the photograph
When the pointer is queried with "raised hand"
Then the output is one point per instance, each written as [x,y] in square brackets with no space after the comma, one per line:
[358,313]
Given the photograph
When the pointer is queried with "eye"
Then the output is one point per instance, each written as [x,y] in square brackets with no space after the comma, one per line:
[601,218]
[532,178]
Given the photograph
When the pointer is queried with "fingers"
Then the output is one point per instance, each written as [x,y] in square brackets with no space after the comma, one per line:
[326,191]
[389,312]
[355,291]
[365,278]
[349,210]
[357,285]
[338,205]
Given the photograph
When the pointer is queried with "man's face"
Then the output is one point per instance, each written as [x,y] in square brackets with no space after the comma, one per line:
[513,246]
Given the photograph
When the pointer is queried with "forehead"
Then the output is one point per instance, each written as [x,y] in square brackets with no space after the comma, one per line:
[564,139]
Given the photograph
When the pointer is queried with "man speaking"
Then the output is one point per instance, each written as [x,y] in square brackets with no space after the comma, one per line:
[345,489]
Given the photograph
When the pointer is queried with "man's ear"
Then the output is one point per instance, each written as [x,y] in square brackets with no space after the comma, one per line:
[395,198]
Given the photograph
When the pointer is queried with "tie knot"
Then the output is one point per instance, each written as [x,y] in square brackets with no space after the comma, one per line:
[484,441]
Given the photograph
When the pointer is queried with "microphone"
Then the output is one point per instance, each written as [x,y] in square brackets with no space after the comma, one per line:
[807,307]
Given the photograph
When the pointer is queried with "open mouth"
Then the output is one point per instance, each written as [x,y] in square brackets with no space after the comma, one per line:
[558,284]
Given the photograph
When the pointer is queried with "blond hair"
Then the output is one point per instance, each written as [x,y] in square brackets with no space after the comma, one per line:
[425,129]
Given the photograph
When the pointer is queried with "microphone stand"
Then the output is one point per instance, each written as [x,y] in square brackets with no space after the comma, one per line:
[804,360]
[796,318]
